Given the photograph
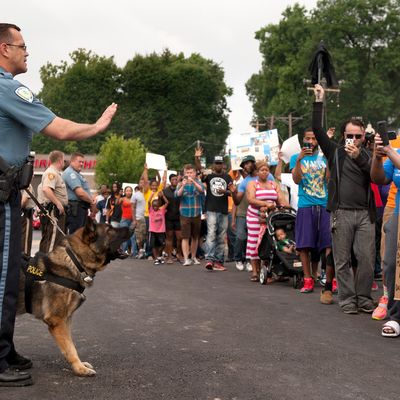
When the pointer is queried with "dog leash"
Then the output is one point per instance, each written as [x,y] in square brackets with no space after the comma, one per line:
[45,212]
[71,254]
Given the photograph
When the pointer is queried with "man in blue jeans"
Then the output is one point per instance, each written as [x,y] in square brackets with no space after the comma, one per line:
[218,185]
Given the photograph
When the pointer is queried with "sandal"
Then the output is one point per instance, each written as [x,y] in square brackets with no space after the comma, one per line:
[391,329]
[254,278]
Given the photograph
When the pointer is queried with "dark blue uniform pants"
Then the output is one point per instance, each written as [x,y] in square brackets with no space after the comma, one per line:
[76,220]
[10,261]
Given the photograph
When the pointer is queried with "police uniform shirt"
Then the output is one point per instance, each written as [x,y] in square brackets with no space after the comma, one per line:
[73,180]
[52,178]
[21,115]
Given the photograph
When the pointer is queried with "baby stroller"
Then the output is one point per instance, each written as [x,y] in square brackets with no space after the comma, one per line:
[278,262]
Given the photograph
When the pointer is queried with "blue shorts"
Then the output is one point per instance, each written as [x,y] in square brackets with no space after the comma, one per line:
[313,228]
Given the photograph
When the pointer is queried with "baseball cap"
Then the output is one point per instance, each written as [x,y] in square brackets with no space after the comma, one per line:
[246,159]
[218,159]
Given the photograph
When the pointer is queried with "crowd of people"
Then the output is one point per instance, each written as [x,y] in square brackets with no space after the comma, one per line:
[347,207]
[346,221]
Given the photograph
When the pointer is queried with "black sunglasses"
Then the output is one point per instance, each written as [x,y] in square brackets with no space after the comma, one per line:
[353,136]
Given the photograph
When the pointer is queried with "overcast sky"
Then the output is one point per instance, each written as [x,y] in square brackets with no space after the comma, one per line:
[222,30]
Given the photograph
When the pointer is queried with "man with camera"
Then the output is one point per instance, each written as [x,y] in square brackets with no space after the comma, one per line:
[52,194]
[309,171]
[352,207]
[190,191]
[21,115]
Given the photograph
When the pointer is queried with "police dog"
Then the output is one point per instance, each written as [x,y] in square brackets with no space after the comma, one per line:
[94,246]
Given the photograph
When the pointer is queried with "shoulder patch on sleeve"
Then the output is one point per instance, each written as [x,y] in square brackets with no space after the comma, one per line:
[24,93]
[73,175]
[51,176]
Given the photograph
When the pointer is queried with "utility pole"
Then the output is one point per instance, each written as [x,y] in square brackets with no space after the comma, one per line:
[270,122]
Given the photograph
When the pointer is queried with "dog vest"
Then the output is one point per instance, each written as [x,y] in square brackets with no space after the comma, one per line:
[35,274]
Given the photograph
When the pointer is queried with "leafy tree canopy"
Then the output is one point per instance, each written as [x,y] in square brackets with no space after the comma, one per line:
[363,38]
[120,160]
[166,100]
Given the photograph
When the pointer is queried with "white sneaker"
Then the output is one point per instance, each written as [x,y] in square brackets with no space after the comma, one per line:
[195,261]
[249,267]
[239,266]
[187,262]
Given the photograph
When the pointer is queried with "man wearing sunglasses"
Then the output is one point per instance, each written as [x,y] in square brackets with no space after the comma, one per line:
[21,115]
[352,207]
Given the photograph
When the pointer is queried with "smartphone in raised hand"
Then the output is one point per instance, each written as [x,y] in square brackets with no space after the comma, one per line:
[383,132]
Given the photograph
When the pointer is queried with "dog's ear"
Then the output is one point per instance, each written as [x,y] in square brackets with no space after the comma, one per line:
[89,231]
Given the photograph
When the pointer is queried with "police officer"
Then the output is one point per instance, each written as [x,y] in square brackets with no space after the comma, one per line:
[21,115]
[79,198]
[52,194]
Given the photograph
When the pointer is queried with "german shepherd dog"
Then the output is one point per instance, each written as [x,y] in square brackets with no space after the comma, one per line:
[94,246]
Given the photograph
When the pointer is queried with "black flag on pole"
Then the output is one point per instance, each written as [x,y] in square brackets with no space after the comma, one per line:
[321,66]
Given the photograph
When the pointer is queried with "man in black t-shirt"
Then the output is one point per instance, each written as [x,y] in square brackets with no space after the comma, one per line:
[218,186]
[172,219]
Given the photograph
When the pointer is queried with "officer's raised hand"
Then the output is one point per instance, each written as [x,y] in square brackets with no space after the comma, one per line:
[106,118]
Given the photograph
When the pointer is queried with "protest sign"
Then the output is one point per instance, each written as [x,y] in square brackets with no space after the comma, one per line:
[235,163]
[262,145]
[169,172]
[290,147]
[156,161]
[287,180]
[132,185]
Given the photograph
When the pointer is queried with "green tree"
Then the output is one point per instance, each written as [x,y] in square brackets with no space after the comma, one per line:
[363,37]
[79,91]
[120,160]
[170,101]
[167,101]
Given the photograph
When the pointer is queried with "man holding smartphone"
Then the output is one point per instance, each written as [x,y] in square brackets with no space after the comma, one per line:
[352,207]
[190,191]
[309,171]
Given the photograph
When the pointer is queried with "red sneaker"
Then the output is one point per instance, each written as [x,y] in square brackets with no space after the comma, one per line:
[334,286]
[308,286]
[219,267]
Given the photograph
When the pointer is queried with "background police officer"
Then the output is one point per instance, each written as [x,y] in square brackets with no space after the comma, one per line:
[79,197]
[21,115]
[52,194]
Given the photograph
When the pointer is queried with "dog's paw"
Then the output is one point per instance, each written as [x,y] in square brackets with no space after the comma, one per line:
[83,369]
[86,364]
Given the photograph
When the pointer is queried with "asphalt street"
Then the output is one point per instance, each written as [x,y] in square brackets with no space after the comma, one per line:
[174,332]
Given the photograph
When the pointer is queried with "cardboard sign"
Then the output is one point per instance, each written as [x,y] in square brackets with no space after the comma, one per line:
[169,172]
[290,147]
[261,145]
[287,180]
[156,161]
[132,185]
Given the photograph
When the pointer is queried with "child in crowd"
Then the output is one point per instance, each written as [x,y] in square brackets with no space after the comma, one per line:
[284,244]
[157,225]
